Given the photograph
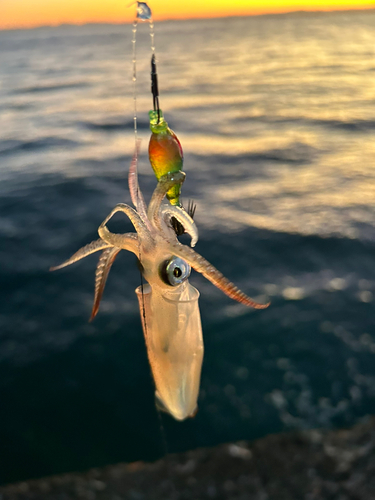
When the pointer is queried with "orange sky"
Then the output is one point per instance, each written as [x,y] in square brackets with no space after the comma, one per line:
[28,13]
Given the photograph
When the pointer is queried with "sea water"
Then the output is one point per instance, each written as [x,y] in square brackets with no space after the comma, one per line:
[276,115]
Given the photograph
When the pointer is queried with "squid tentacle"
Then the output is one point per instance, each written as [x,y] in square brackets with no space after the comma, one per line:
[126,241]
[83,252]
[165,183]
[101,274]
[122,240]
[183,218]
[135,192]
[201,265]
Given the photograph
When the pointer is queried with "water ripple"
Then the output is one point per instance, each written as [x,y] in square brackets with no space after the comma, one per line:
[50,88]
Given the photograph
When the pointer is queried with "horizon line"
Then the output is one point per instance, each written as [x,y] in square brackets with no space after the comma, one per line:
[257,14]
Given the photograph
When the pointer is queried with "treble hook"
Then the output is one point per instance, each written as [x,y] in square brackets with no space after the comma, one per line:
[154,86]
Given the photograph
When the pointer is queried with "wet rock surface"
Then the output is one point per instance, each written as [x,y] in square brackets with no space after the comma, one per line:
[309,465]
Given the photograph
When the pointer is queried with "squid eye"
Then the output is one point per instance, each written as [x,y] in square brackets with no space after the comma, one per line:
[174,271]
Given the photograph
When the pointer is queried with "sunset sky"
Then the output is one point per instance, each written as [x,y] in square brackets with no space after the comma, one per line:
[29,13]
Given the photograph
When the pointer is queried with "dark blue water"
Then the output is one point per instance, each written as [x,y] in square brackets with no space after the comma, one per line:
[276,115]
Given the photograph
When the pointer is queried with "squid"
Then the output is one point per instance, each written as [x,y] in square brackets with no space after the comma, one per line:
[168,302]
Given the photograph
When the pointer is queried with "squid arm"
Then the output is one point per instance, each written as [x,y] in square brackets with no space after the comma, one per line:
[135,193]
[102,270]
[128,241]
[166,182]
[124,241]
[201,265]
[169,211]
[83,252]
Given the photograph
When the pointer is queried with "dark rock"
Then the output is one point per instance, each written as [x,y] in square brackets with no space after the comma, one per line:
[308,465]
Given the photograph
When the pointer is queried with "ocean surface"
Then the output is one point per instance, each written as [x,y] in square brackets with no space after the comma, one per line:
[276,115]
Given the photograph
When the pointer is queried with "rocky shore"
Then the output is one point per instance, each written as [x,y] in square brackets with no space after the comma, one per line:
[309,465]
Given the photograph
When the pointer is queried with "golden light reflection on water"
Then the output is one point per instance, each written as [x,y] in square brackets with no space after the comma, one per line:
[277,130]
[328,200]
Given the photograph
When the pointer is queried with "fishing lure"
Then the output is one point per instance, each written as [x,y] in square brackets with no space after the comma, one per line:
[168,303]
[164,149]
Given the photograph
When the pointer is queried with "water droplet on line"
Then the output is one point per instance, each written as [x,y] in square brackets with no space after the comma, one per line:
[143,11]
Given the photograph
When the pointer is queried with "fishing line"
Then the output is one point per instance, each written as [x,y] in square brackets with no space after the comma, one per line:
[134,40]
[144,13]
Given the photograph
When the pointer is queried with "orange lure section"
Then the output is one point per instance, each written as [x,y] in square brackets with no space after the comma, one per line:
[165,152]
